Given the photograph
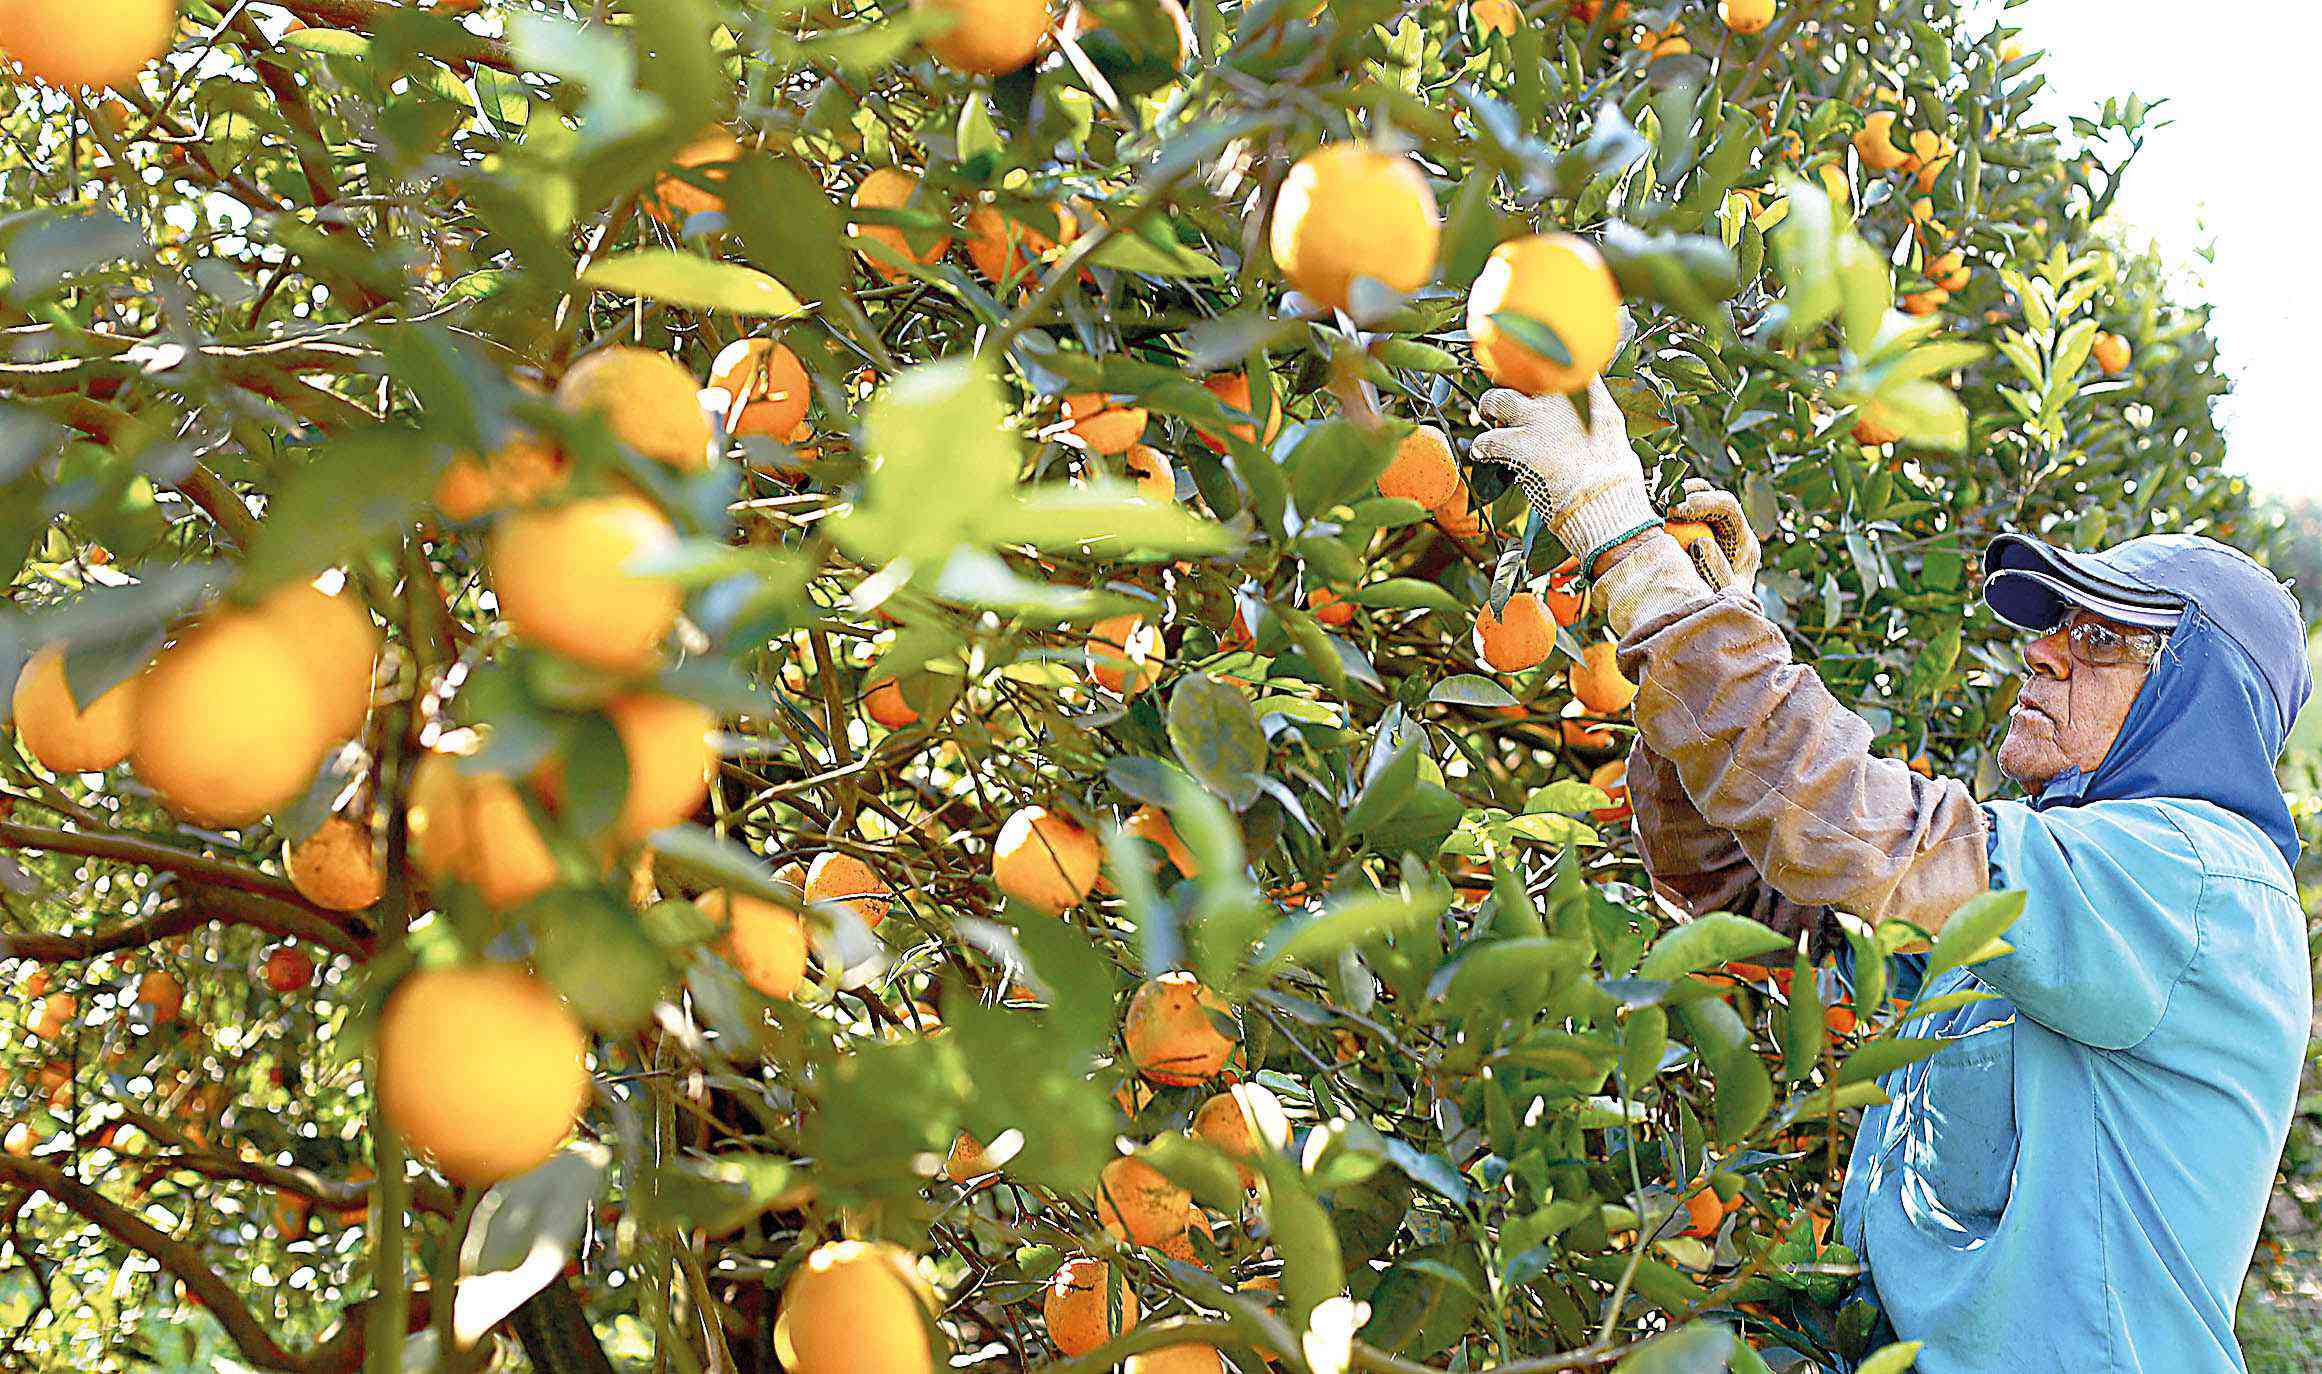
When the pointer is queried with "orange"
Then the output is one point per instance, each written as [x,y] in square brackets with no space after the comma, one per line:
[1106,428]
[336,867]
[987,37]
[765,942]
[482,1069]
[70,43]
[1005,248]
[1185,1357]
[228,725]
[673,199]
[1233,388]
[1329,607]
[1422,469]
[1519,637]
[848,881]
[1460,519]
[562,577]
[1151,824]
[1496,16]
[1597,680]
[1561,282]
[63,737]
[856,1307]
[338,646]
[1871,426]
[2111,352]
[1171,1030]
[1704,1212]
[671,750]
[1746,16]
[287,968]
[1151,470]
[1949,270]
[1242,1121]
[891,188]
[647,399]
[1124,654]
[1874,143]
[523,469]
[766,388]
[163,993]
[1925,302]
[57,1011]
[1137,1202]
[1563,599]
[478,830]
[1612,779]
[1045,861]
[1079,1305]
[884,703]
[1345,211]
[966,1159]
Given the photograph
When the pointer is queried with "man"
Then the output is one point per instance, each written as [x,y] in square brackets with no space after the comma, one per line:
[2076,1183]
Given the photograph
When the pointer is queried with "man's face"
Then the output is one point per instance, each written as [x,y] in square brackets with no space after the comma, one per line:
[2071,709]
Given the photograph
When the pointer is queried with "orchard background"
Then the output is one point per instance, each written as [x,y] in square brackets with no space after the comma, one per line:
[310,294]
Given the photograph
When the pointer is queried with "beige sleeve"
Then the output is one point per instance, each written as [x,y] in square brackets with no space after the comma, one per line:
[1765,753]
[1694,864]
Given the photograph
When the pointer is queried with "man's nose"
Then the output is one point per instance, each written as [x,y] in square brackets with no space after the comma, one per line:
[2050,655]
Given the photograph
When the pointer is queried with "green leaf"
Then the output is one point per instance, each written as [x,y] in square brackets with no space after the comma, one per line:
[1104,515]
[359,488]
[1879,1058]
[697,283]
[1718,938]
[1217,737]
[1694,1348]
[1312,1271]
[789,227]
[1533,334]
[1425,1301]
[1406,593]
[1310,939]
[697,857]
[1469,689]
[1892,1359]
[940,426]
[525,1229]
[1969,932]
[1147,257]
[1495,969]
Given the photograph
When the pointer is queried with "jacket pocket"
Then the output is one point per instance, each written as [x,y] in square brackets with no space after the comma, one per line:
[1959,1145]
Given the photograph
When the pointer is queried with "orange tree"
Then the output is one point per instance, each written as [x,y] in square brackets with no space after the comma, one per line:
[750,683]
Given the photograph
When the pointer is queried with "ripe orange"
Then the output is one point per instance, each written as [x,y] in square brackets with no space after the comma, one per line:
[287,968]
[1561,282]
[1329,607]
[228,725]
[1346,210]
[1233,388]
[1519,637]
[891,188]
[523,469]
[562,577]
[63,737]
[1874,143]
[856,1307]
[1871,426]
[2111,352]
[478,830]
[1242,1121]
[1150,823]
[69,43]
[673,199]
[670,747]
[1597,680]
[336,867]
[1005,248]
[1458,518]
[1124,654]
[1746,16]
[338,646]
[1106,428]
[766,388]
[884,703]
[57,1011]
[765,942]
[988,37]
[1045,860]
[1704,1212]
[1496,16]
[1925,302]
[1564,600]
[1172,1033]
[1137,1202]
[1422,469]
[1151,470]
[1613,780]
[482,1069]
[1950,270]
[1078,1306]
[163,993]
[648,400]
[1186,1357]
[848,881]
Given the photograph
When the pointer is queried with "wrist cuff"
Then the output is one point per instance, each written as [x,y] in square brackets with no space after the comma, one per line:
[1653,576]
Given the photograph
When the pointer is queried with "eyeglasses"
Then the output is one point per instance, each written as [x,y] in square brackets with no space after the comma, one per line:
[2101,644]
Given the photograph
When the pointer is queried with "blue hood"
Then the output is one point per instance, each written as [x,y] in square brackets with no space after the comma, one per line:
[2210,720]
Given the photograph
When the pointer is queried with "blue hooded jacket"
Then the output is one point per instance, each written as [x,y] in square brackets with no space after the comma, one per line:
[2077,1182]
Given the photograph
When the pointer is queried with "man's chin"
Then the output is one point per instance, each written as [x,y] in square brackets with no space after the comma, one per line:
[2030,764]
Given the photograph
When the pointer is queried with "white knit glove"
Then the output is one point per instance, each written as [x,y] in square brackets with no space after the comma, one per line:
[1586,481]
[1729,560]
